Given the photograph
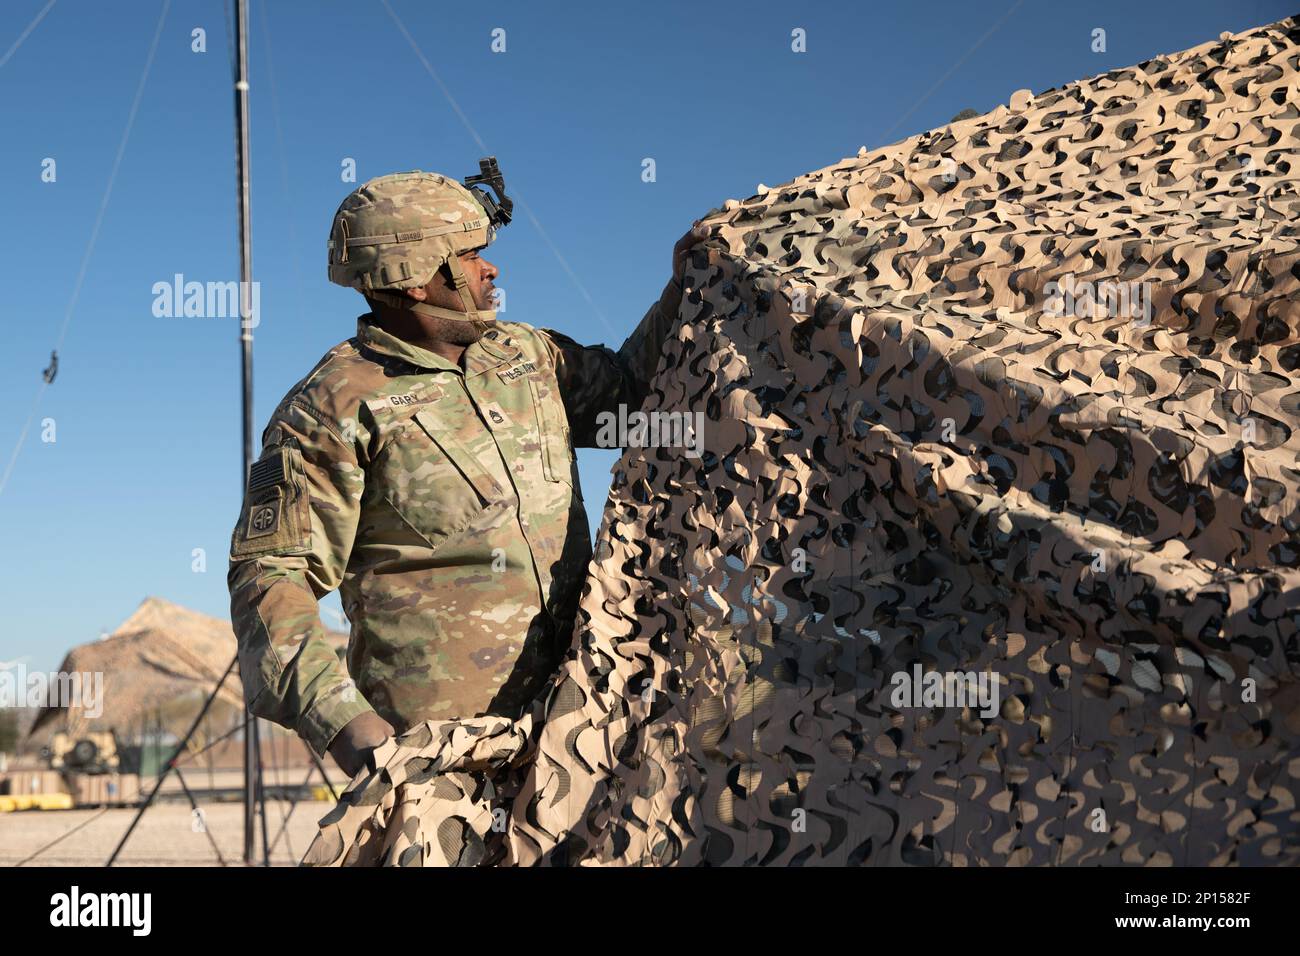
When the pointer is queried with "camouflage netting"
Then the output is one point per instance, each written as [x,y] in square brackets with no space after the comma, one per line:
[913,458]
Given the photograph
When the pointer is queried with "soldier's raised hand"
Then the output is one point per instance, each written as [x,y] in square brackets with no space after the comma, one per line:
[697,233]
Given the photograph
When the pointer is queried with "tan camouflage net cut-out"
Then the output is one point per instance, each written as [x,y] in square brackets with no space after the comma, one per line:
[920,456]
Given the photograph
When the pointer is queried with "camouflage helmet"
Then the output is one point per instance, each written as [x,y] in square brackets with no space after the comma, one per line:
[396,231]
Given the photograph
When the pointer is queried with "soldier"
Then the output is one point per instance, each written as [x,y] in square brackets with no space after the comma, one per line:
[425,468]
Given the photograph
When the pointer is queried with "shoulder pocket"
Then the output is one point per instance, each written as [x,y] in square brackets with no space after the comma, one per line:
[276,515]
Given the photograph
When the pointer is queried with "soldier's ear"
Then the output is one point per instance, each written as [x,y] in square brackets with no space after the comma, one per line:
[419,293]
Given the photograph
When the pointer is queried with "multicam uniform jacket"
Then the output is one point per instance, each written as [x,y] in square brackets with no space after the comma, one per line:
[443,503]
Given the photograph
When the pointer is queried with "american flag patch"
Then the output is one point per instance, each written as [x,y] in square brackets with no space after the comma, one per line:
[267,471]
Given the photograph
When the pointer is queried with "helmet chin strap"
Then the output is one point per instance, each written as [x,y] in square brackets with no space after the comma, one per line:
[481,319]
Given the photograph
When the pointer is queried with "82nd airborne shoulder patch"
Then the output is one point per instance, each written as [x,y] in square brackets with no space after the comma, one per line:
[276,517]
[263,518]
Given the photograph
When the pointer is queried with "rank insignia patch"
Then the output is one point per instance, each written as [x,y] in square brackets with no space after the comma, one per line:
[496,415]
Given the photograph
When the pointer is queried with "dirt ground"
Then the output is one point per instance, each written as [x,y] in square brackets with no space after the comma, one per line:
[166,836]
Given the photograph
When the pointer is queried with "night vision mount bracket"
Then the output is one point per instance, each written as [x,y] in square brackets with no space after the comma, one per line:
[498,209]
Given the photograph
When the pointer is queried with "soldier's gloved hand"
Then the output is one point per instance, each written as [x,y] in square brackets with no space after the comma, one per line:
[354,742]
[697,233]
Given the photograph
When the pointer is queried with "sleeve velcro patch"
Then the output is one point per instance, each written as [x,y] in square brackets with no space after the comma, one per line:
[267,471]
[263,518]
[276,517]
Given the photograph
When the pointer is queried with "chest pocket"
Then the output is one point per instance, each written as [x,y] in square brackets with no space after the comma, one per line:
[553,427]
[435,482]
[466,462]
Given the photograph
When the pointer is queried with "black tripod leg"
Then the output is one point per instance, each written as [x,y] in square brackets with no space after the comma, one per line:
[171,764]
[194,809]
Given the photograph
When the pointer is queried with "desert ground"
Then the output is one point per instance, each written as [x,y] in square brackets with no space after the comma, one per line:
[168,835]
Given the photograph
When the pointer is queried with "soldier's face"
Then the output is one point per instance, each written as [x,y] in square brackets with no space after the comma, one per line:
[480,274]
[441,291]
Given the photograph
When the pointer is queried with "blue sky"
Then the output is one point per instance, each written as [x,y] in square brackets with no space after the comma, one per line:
[145,466]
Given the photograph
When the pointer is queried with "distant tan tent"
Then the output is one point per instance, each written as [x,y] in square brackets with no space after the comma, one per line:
[158,667]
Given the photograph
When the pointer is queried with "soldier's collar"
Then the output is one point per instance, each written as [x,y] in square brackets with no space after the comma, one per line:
[489,353]
[481,356]
[385,343]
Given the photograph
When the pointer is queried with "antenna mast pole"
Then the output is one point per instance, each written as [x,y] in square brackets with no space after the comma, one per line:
[252,754]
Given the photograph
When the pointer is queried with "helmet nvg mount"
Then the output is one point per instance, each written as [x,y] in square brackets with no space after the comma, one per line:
[395,232]
[499,209]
